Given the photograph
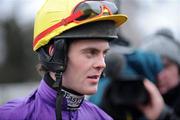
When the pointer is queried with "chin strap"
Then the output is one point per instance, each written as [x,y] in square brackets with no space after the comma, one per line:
[56,63]
[59,97]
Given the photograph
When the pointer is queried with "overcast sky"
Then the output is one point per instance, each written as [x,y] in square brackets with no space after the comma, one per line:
[23,10]
[145,17]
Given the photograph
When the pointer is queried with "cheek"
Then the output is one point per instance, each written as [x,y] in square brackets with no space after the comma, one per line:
[162,76]
[169,78]
[81,64]
[77,68]
[174,76]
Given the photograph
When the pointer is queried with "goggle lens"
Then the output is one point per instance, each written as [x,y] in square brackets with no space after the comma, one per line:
[92,9]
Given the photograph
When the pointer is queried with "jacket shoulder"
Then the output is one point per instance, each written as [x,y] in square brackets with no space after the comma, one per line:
[17,109]
[95,111]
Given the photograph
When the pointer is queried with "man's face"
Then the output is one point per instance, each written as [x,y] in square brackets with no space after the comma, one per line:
[168,78]
[86,62]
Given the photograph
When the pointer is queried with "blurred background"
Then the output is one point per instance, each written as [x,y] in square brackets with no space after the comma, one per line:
[18,75]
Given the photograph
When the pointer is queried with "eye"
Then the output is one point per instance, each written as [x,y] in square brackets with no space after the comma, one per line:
[91,53]
[106,52]
[105,55]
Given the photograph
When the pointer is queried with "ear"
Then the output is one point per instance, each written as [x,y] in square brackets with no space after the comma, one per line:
[51,50]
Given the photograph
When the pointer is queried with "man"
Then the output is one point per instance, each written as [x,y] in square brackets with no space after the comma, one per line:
[71,38]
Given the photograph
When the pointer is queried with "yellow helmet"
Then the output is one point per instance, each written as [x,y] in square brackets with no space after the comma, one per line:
[57,16]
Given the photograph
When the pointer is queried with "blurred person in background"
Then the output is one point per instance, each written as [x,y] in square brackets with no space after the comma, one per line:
[71,39]
[168,80]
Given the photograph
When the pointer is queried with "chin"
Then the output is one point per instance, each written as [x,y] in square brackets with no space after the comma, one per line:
[90,92]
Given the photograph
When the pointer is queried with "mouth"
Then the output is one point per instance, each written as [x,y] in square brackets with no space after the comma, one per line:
[94,78]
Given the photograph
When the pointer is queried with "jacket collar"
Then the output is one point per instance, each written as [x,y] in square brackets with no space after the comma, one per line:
[71,99]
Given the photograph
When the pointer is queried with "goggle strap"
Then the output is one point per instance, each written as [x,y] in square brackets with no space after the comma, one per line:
[108,9]
[72,17]
[65,21]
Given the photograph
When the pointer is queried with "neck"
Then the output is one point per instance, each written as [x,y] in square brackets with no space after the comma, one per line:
[71,99]
[50,79]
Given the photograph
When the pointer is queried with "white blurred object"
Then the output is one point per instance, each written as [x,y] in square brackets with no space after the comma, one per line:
[23,10]
[17,90]
[147,16]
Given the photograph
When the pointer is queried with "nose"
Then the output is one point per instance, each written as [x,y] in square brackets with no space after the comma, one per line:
[100,63]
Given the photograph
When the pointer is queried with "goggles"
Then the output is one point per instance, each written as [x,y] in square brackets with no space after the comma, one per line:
[83,11]
[90,9]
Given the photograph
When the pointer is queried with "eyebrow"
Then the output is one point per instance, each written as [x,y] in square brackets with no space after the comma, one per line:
[94,49]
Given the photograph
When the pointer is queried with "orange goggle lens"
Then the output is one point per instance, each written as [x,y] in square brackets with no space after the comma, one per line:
[90,9]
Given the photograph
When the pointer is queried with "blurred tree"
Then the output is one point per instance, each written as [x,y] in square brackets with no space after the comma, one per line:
[19,65]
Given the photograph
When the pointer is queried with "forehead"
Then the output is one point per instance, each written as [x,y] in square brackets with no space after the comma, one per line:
[98,43]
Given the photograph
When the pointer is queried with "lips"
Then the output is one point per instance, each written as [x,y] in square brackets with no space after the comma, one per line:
[93,77]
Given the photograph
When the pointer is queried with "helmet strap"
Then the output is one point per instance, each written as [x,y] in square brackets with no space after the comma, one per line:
[58,85]
[56,62]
